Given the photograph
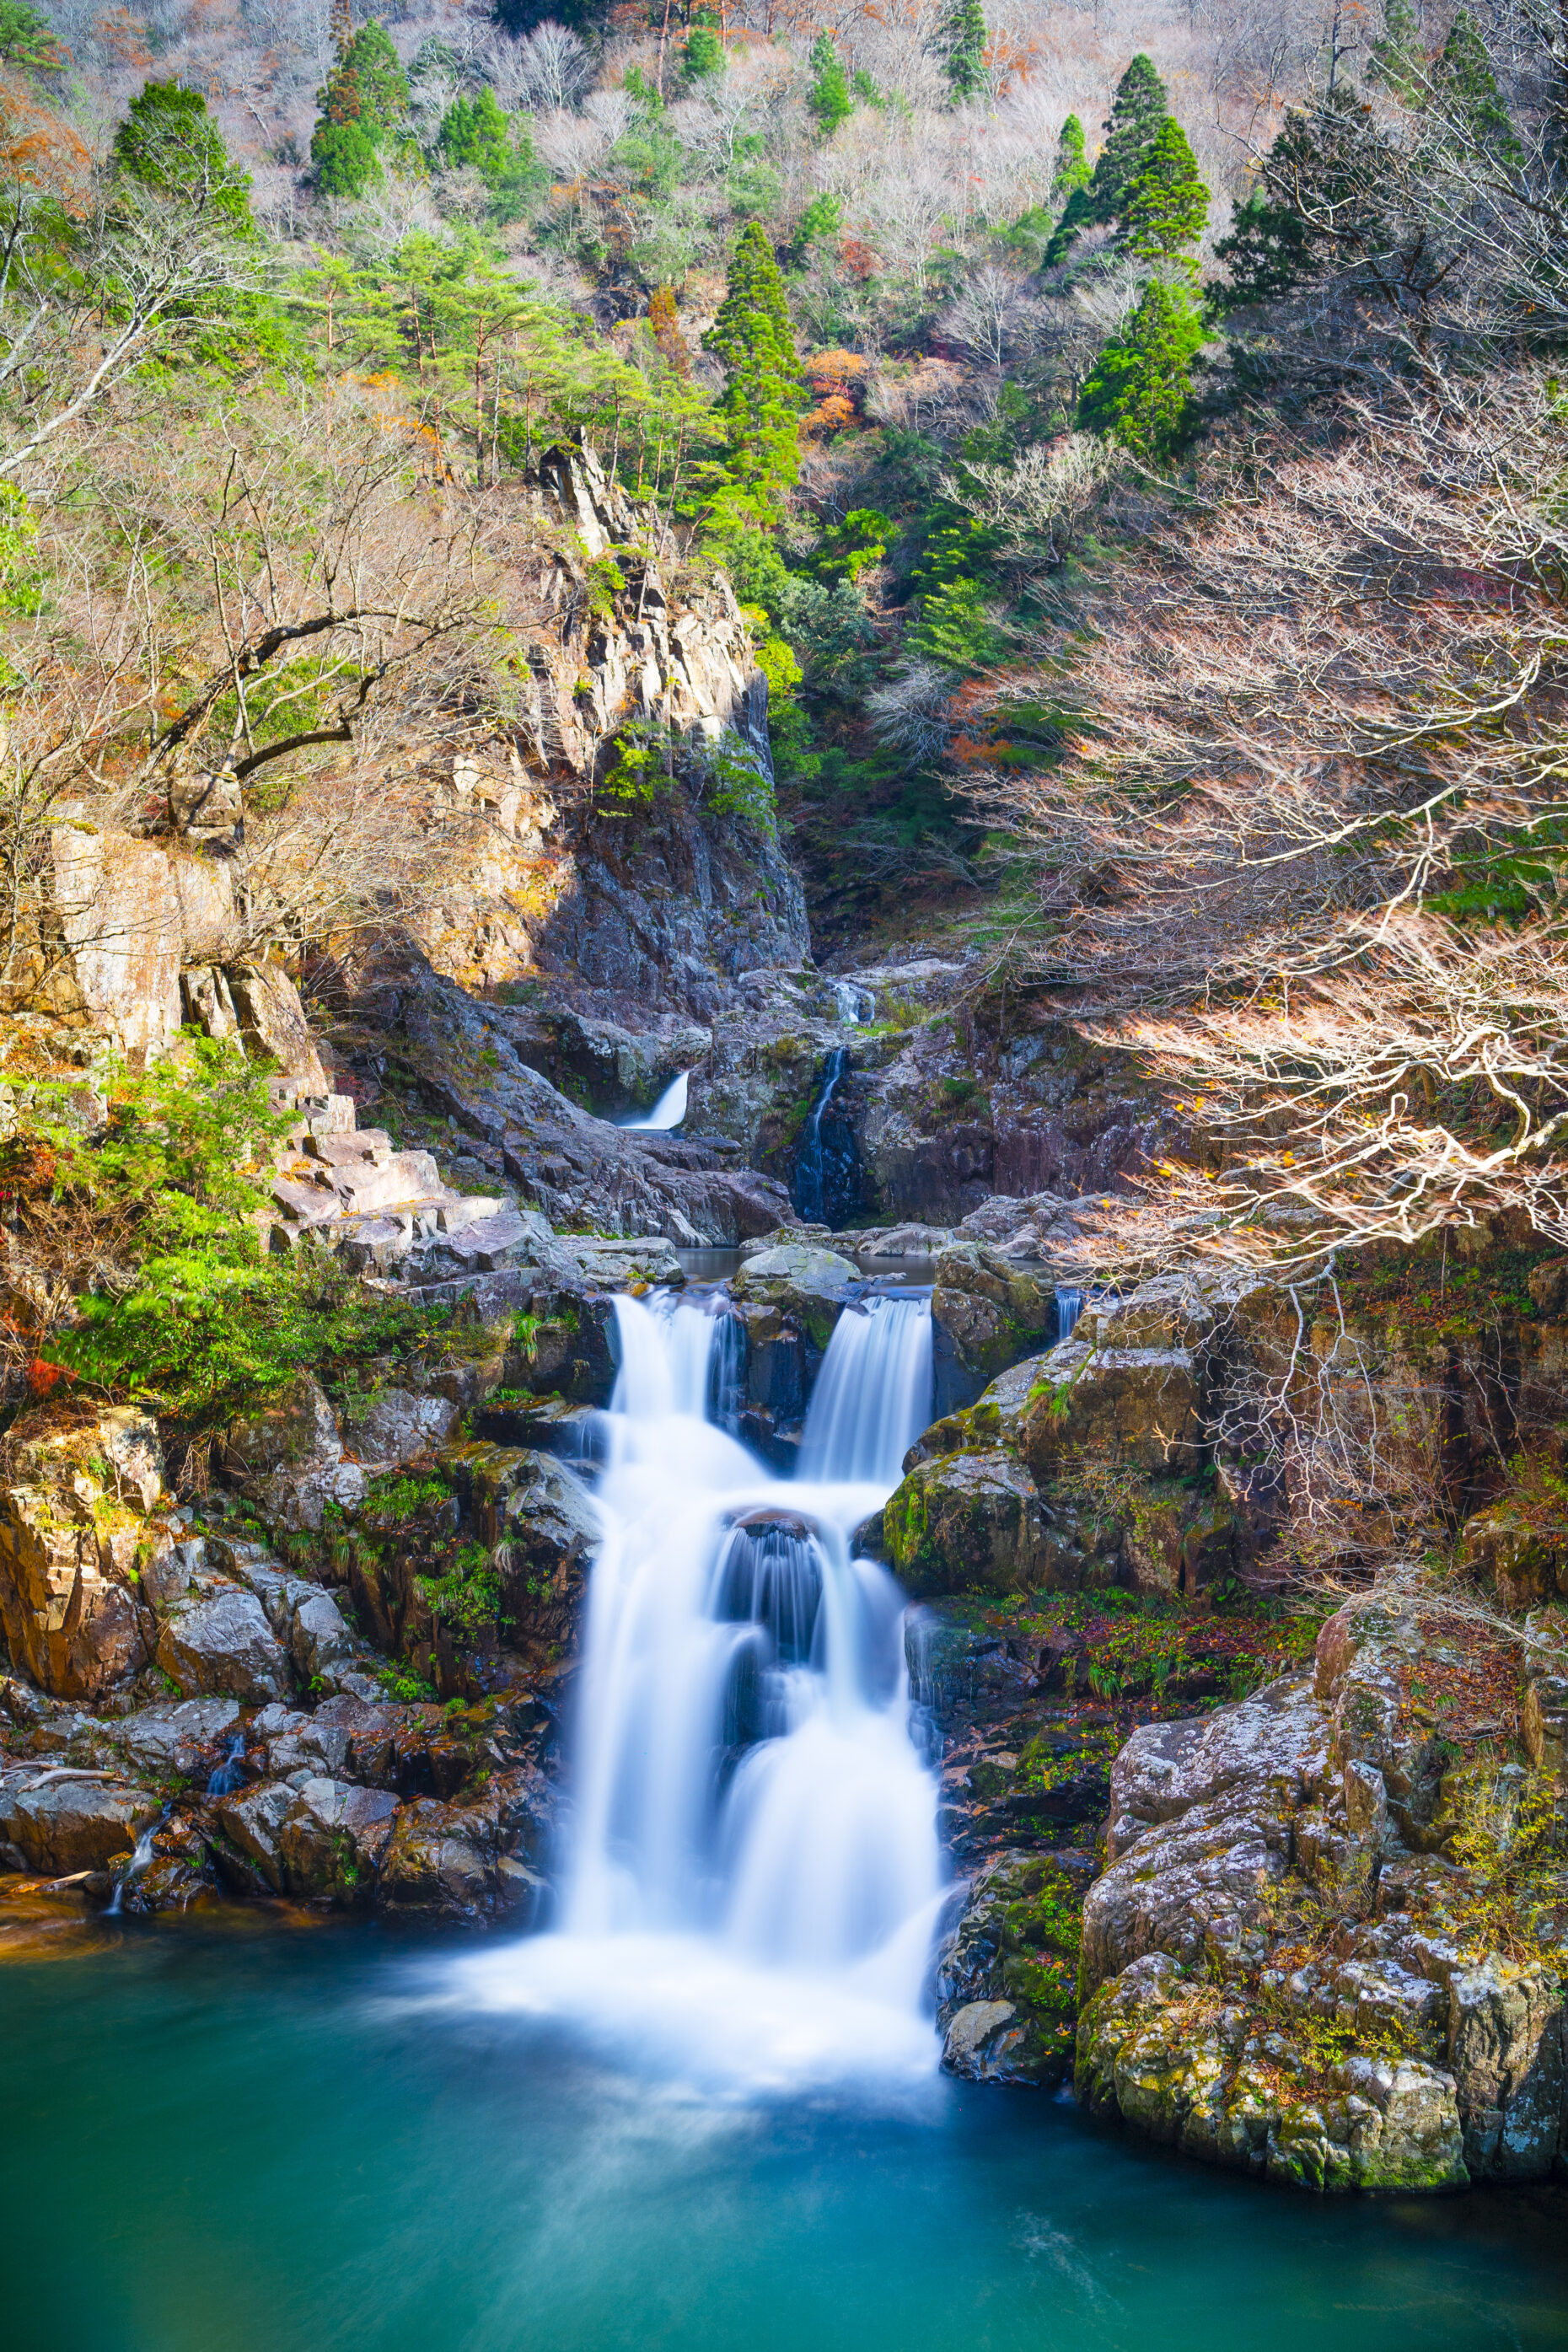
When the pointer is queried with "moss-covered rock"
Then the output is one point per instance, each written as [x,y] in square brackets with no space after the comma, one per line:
[987,1313]
[1006,2001]
[809,1285]
[962,1522]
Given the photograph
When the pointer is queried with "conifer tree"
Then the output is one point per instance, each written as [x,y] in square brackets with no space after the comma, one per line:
[169,141]
[962,42]
[761,400]
[1466,86]
[1397,59]
[1167,202]
[1137,111]
[1073,162]
[829,100]
[704,52]
[1140,390]
[475,132]
[364,98]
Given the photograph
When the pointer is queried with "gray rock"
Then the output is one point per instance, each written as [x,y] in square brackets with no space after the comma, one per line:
[74,1824]
[323,1839]
[222,1644]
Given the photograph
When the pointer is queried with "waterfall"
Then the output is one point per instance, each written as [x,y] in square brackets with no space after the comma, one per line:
[668,1111]
[824,1161]
[873,1394]
[753,1871]
[855,1005]
[1070,1307]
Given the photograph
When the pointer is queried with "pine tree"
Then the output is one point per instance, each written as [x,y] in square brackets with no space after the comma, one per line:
[474,131]
[829,100]
[761,400]
[1167,203]
[1073,162]
[962,43]
[169,141]
[1398,61]
[364,98]
[1137,111]
[1140,390]
[1466,87]
[704,54]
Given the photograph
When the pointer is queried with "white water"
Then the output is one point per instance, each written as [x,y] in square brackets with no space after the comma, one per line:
[753,1872]
[668,1111]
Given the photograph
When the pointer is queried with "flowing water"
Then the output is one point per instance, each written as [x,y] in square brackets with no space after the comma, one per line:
[668,1111]
[752,1873]
[704,2114]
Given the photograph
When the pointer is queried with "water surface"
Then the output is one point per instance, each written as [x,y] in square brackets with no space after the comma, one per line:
[268,2143]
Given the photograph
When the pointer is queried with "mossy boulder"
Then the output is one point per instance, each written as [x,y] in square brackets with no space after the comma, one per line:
[1005,1996]
[1139,1406]
[987,1313]
[808,1285]
[963,1522]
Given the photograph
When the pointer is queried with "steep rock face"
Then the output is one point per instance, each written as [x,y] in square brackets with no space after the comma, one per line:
[1288,1955]
[639,907]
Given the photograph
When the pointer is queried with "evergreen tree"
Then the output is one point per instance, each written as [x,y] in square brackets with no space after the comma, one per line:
[1140,390]
[704,55]
[829,100]
[364,98]
[378,70]
[475,132]
[1466,87]
[1167,203]
[1137,111]
[1398,61]
[27,40]
[169,141]
[762,398]
[1072,170]
[962,43]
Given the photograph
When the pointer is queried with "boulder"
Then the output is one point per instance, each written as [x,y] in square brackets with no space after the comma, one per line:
[323,1838]
[395,1425]
[1527,1565]
[1140,1406]
[289,1458]
[1167,2051]
[120,928]
[433,1864]
[809,1285]
[273,1024]
[987,1313]
[220,1643]
[177,1735]
[1005,1974]
[968,1521]
[75,1823]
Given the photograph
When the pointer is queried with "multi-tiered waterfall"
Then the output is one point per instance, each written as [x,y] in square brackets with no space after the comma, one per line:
[753,1872]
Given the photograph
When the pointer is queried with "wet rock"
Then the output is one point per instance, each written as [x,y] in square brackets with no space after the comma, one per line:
[221,1643]
[73,1823]
[430,1866]
[1505,2049]
[1005,1974]
[177,1735]
[809,1287]
[323,1838]
[1169,2053]
[965,1521]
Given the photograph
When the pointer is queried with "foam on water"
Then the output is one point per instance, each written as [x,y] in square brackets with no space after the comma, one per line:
[753,1873]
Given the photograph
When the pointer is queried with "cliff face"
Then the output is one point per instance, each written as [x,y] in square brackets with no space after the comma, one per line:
[630,900]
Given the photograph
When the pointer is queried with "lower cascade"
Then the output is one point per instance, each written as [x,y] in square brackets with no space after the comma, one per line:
[753,1872]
